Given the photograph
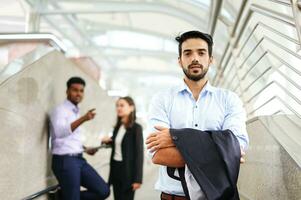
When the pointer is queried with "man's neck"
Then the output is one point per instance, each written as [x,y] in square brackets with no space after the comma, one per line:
[196,86]
[72,102]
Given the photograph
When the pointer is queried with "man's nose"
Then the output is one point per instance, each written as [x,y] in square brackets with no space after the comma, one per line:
[195,57]
[195,61]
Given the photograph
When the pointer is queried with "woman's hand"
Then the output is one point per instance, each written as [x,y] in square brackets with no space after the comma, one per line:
[136,186]
[106,140]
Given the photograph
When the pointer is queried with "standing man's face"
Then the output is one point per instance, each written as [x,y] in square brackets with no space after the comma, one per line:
[195,59]
[75,93]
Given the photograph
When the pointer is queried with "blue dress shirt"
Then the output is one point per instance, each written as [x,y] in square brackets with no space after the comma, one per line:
[215,109]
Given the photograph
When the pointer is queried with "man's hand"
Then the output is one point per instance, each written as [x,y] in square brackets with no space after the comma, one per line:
[242,153]
[136,186]
[159,140]
[90,114]
[91,151]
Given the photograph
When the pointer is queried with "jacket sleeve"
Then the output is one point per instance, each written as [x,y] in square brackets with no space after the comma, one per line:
[211,160]
[139,155]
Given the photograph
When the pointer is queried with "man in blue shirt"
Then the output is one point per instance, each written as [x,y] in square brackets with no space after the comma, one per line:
[192,104]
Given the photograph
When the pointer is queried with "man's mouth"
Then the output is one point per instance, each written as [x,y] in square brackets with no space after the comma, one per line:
[195,67]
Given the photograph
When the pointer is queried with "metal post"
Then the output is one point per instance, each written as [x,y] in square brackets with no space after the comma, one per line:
[296,7]
[33,17]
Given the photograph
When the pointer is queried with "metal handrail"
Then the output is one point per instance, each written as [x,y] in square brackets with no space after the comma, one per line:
[285,63]
[266,102]
[230,80]
[249,55]
[282,2]
[273,42]
[254,64]
[286,116]
[248,38]
[265,12]
[42,192]
[296,12]
[259,24]
[276,69]
[278,98]
[256,79]
[245,60]
[261,40]
[253,9]
[34,37]
[238,19]
[281,73]
[286,91]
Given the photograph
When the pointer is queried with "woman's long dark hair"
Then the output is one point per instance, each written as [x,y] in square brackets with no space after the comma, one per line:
[132,117]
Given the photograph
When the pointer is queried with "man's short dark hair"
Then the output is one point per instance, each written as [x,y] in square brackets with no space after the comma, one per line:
[195,34]
[77,80]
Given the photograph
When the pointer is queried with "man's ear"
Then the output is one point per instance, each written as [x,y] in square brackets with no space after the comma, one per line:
[180,62]
[211,60]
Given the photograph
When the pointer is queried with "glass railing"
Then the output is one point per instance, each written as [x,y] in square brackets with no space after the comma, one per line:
[21,63]
[19,50]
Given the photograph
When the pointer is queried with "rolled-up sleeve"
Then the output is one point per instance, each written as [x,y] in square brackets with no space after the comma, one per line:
[235,119]
[60,123]
[157,115]
[158,112]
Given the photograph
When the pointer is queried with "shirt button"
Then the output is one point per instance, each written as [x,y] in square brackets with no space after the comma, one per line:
[196,125]
[174,137]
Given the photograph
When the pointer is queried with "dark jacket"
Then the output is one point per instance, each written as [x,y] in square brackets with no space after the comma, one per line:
[213,157]
[132,154]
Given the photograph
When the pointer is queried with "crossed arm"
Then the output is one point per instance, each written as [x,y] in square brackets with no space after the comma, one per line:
[166,153]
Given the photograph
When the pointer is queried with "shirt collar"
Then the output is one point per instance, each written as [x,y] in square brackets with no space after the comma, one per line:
[71,106]
[207,88]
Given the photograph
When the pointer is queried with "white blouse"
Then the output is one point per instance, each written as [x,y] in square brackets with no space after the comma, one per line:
[118,142]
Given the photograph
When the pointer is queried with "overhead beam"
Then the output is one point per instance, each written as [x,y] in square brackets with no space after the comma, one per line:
[216,6]
[126,7]
[119,51]
[176,73]
[95,27]
[73,24]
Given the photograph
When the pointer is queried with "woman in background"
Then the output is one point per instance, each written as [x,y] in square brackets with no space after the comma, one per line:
[126,165]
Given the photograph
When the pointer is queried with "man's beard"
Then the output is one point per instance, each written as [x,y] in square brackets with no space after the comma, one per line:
[195,77]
